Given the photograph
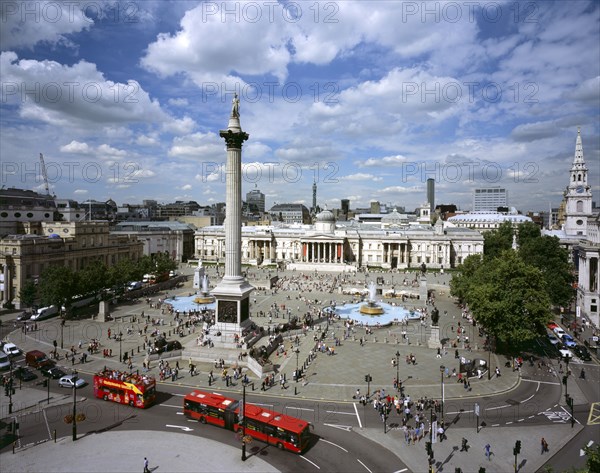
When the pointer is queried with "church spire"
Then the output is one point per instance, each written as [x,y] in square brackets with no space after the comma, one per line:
[578,161]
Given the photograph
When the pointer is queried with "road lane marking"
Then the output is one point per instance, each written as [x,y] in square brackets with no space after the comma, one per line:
[364,465]
[182,427]
[347,428]
[312,463]
[570,416]
[357,415]
[299,408]
[542,382]
[335,445]
[344,413]
[170,405]
[499,407]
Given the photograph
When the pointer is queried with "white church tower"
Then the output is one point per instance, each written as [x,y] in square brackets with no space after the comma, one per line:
[578,194]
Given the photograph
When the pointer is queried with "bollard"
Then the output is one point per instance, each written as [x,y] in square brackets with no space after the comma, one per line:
[54,435]
[138,348]
[252,385]
[295,390]
[13,446]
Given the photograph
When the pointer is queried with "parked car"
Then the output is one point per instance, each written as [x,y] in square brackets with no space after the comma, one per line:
[11,349]
[552,325]
[568,341]
[134,285]
[582,353]
[52,372]
[565,353]
[559,332]
[553,339]
[71,379]
[25,374]
[4,362]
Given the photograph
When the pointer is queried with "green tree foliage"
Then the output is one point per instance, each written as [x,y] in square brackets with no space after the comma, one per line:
[507,297]
[497,241]
[28,293]
[92,279]
[57,286]
[546,254]
[462,281]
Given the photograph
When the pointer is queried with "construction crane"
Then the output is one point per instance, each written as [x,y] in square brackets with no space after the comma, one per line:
[44,174]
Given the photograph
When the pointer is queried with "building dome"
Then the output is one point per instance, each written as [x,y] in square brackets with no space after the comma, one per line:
[325,216]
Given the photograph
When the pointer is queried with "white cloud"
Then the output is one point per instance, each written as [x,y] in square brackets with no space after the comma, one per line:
[180,102]
[26,23]
[361,177]
[181,126]
[186,187]
[80,191]
[77,148]
[73,96]
[204,147]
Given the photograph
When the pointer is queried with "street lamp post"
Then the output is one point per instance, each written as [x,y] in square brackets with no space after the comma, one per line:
[62,326]
[10,388]
[297,350]
[442,369]
[74,405]
[397,370]
[243,421]
[120,346]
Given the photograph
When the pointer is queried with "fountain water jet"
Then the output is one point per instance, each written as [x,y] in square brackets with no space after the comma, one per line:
[371,307]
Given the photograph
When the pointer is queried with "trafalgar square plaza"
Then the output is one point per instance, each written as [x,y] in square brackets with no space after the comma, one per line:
[390,340]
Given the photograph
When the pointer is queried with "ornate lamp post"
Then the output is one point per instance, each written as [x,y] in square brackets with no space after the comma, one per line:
[442,369]
[74,405]
[120,346]
[243,411]
[397,370]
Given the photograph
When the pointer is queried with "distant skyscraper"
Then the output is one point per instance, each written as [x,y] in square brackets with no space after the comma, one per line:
[488,199]
[257,198]
[345,206]
[313,210]
[431,194]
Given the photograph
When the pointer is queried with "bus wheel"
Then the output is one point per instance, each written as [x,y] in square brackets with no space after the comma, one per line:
[131,403]
[280,446]
[202,420]
[105,397]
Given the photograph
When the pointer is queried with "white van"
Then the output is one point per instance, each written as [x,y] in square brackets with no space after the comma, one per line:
[45,313]
[4,362]
[133,285]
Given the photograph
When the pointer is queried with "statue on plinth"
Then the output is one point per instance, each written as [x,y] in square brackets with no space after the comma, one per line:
[235,107]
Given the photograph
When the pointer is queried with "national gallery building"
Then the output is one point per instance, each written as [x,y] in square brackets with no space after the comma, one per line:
[346,246]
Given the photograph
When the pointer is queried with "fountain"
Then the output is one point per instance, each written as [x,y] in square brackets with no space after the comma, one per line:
[371,307]
[205,296]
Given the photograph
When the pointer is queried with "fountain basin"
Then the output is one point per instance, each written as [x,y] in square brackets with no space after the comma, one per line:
[390,314]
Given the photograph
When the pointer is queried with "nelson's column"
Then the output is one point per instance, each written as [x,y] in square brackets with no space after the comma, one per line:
[233,292]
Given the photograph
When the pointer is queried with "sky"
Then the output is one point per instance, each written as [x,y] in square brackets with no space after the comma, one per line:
[368,99]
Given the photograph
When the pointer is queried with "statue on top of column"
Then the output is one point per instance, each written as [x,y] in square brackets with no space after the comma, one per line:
[235,107]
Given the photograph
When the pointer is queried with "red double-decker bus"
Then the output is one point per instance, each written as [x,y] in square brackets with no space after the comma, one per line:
[125,388]
[273,428]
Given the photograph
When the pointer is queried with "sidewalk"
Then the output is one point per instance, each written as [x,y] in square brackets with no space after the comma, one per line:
[502,440]
[125,451]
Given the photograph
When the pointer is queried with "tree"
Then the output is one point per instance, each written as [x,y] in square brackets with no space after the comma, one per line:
[498,240]
[546,254]
[57,286]
[28,293]
[93,278]
[461,282]
[509,299]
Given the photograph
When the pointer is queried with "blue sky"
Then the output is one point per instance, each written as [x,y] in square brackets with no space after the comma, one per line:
[369,99]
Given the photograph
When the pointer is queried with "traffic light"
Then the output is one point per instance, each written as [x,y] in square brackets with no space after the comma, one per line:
[429,449]
[368,378]
[569,401]
[517,447]
[481,469]
[564,380]
[45,383]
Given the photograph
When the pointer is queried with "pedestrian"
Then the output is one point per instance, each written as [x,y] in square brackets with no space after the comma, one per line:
[464,445]
[146,469]
[488,451]
[544,445]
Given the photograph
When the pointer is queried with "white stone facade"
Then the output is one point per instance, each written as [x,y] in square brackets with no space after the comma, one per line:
[352,246]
